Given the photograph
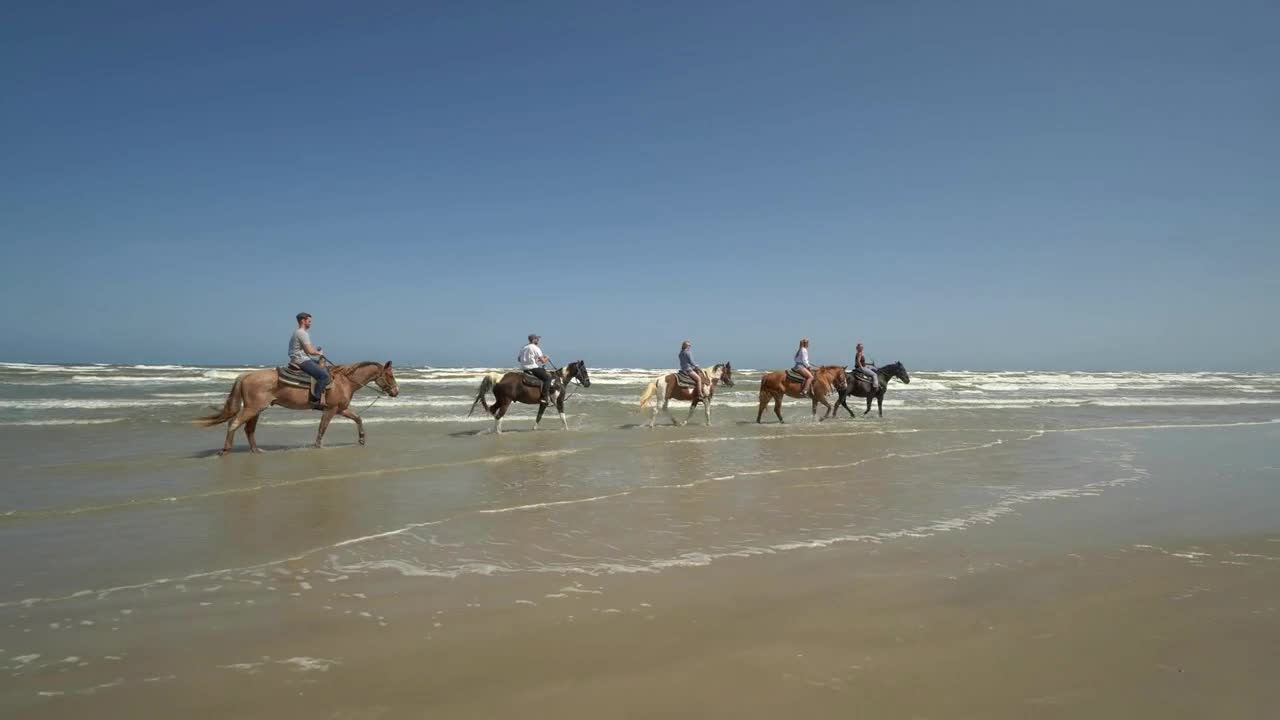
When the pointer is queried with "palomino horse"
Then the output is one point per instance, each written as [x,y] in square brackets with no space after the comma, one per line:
[774,385]
[859,386]
[258,390]
[666,389]
[510,387]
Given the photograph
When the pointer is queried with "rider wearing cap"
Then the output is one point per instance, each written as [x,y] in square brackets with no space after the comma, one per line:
[531,359]
[302,354]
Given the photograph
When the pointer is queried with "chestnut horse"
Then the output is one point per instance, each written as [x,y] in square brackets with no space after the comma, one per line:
[258,390]
[774,385]
[510,387]
[667,389]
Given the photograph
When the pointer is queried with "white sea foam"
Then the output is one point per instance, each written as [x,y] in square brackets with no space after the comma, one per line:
[41,423]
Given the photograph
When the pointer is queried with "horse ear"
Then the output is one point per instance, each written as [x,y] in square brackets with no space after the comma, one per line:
[387,366]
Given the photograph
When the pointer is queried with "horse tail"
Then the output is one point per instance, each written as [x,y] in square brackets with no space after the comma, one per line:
[485,386]
[235,399]
[648,393]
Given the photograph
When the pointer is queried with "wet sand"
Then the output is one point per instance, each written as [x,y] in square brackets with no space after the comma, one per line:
[977,563]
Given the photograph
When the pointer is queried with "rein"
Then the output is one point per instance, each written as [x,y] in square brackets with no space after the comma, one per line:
[568,393]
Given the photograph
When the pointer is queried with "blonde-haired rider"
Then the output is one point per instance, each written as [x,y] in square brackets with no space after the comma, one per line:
[803,367]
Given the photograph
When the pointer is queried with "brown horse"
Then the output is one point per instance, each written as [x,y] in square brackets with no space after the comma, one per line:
[258,390]
[510,387]
[774,385]
[667,389]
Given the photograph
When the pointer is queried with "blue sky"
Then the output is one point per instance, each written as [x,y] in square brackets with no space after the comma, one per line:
[958,185]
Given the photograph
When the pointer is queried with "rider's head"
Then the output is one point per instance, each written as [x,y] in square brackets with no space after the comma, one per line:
[859,346]
[534,337]
[686,345]
[304,319]
[804,342]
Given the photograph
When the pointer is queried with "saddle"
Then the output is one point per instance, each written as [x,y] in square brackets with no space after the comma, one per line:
[794,376]
[293,376]
[859,381]
[686,381]
[528,378]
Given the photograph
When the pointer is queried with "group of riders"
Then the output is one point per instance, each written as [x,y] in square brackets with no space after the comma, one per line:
[860,365]
[532,360]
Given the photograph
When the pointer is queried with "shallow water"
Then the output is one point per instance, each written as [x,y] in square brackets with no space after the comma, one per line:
[134,542]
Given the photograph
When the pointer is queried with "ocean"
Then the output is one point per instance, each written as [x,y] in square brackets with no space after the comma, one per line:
[445,570]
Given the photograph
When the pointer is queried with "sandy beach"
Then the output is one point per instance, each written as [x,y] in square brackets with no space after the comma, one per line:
[1070,545]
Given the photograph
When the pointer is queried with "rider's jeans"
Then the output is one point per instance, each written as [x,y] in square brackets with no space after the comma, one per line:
[312,368]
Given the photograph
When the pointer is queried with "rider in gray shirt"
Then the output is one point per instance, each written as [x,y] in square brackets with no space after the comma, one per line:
[301,353]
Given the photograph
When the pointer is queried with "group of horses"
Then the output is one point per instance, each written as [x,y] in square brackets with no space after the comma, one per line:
[255,391]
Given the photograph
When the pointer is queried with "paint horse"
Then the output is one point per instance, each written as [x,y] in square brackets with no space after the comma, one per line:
[519,386]
[676,386]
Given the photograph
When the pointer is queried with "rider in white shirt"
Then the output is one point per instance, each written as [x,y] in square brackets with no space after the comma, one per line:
[531,359]
[803,367]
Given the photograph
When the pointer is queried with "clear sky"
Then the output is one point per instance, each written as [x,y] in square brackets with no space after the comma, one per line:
[1020,184]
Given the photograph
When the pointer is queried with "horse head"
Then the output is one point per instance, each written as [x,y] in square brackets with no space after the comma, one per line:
[726,374]
[838,377]
[386,381]
[899,371]
[577,370]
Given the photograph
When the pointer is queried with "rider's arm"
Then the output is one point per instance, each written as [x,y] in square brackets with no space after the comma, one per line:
[306,347]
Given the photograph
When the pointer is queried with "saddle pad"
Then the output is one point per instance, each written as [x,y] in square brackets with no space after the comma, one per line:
[794,376]
[294,378]
[859,381]
[299,379]
[685,380]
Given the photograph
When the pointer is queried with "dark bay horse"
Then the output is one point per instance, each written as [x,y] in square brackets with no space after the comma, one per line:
[860,386]
[774,385]
[510,387]
[666,389]
[258,390]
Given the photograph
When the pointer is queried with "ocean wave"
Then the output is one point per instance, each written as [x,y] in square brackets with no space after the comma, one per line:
[131,380]
[40,423]
[78,404]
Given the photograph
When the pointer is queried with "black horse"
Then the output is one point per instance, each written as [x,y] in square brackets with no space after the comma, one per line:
[860,386]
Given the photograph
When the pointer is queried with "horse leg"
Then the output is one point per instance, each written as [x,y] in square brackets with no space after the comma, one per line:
[359,424]
[868,405]
[250,430]
[325,419]
[825,404]
[764,403]
[541,409]
[706,407]
[777,407]
[693,406]
[242,417]
[564,423]
[667,407]
[880,404]
[499,409]
[843,401]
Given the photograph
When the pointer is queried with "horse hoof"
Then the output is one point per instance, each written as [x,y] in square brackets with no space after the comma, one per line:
[257,451]
[362,441]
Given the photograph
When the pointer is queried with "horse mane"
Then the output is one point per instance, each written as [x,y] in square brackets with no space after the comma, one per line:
[352,367]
